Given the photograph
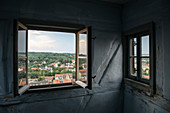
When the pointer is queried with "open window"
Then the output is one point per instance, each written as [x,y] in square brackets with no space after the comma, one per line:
[139,57]
[83,58]
[51,55]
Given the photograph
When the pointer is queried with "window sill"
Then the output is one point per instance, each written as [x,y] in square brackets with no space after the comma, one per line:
[53,88]
[154,99]
[139,85]
[46,88]
[44,95]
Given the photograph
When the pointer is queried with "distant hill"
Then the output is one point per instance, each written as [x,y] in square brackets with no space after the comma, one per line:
[50,57]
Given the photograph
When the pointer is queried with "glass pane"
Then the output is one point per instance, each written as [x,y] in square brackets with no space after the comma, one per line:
[83,44]
[145,68]
[21,57]
[82,74]
[133,47]
[21,43]
[51,57]
[63,78]
[21,72]
[133,66]
[145,45]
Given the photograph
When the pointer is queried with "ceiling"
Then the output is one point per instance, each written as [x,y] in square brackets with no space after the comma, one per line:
[116,1]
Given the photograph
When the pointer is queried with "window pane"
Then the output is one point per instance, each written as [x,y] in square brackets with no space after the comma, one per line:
[145,45]
[82,74]
[51,57]
[145,68]
[21,57]
[21,72]
[133,66]
[83,44]
[133,47]
[21,43]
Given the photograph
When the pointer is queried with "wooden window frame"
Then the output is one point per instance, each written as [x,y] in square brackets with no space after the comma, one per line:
[139,82]
[56,27]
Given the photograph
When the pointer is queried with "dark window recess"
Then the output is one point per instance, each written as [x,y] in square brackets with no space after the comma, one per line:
[49,55]
[139,57]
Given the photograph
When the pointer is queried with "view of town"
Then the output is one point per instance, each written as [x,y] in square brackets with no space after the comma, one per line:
[144,59]
[51,58]
[50,68]
[145,67]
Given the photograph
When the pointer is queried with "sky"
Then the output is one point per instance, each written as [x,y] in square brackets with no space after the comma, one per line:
[59,42]
[48,41]
[144,44]
[22,41]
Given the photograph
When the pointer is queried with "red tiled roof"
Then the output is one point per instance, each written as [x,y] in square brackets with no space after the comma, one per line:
[66,81]
[146,77]
[66,69]
[48,77]
[33,68]
[20,67]
[32,79]
[58,81]
[52,64]
[83,70]
[22,82]
[58,75]
[83,64]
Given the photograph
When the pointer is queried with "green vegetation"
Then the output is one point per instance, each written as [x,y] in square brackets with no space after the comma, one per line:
[50,57]
[40,78]
[41,62]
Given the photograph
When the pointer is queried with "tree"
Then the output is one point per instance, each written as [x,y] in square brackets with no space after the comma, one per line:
[21,75]
[40,78]
[81,67]
[74,74]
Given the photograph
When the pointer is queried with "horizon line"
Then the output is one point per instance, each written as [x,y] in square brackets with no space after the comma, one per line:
[44,52]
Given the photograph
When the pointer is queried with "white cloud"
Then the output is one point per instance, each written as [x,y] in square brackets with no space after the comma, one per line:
[44,41]
[40,42]
[35,32]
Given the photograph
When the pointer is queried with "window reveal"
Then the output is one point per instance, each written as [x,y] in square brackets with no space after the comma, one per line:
[45,73]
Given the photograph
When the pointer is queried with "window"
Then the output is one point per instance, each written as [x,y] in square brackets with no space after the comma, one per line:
[48,56]
[139,57]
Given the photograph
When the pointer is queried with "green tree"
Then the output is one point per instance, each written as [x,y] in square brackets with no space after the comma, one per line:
[74,74]
[40,78]
[81,67]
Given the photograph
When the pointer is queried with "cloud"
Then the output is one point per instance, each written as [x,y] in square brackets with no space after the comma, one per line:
[44,41]
[34,32]
[41,42]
